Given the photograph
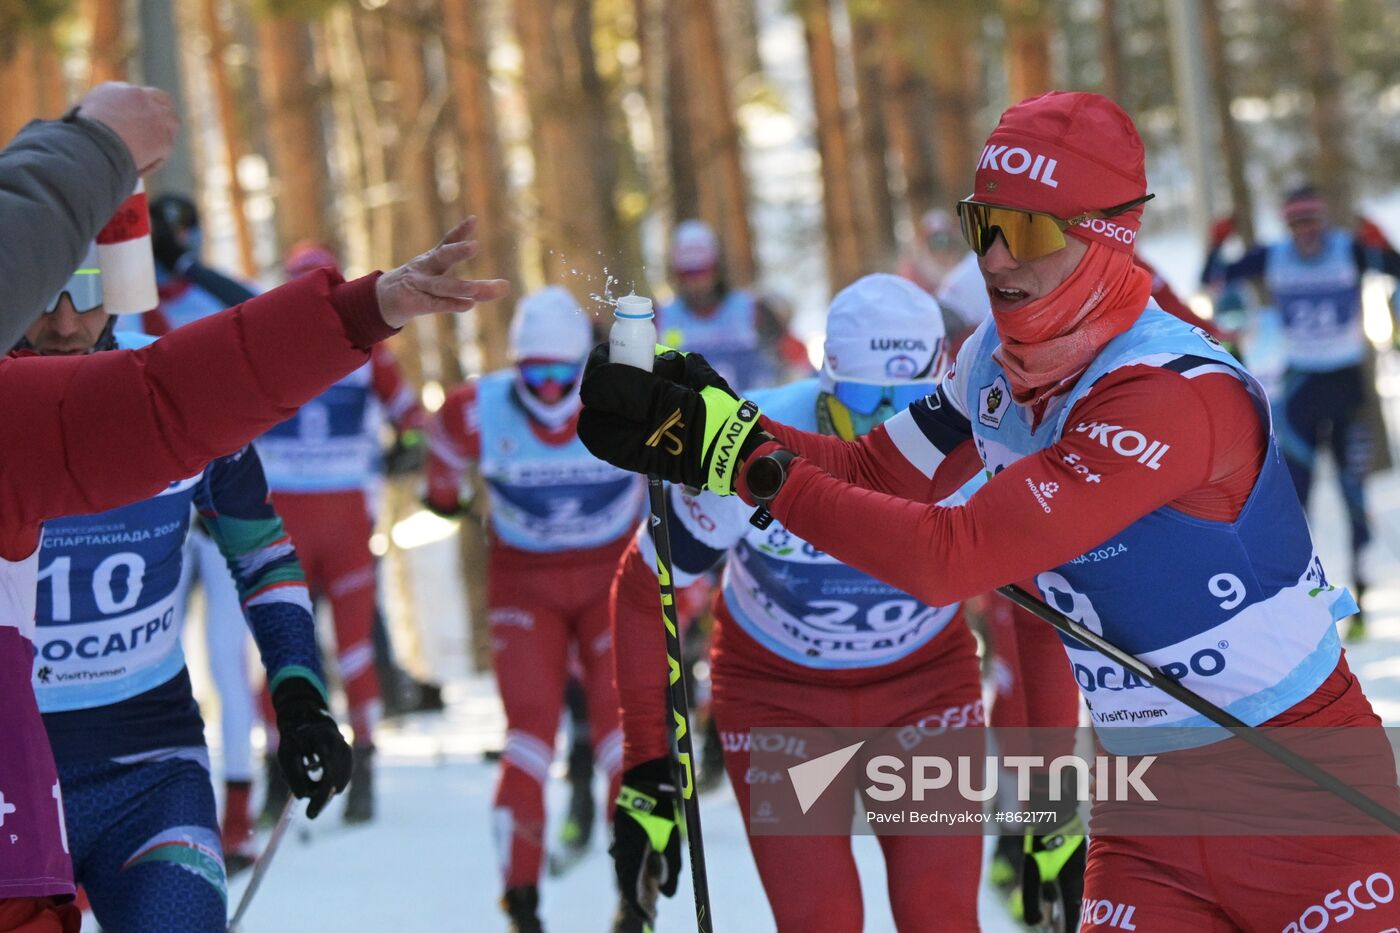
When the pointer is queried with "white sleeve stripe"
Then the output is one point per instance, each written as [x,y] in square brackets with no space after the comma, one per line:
[1212,368]
[910,441]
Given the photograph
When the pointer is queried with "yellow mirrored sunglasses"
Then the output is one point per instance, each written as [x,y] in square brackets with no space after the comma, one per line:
[1029,235]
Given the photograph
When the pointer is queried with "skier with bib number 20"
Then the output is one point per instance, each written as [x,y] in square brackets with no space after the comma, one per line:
[779,658]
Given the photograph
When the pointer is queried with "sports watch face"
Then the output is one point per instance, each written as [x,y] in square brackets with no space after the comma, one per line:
[766,475]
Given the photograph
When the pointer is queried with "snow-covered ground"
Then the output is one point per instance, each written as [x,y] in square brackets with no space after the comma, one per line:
[428,862]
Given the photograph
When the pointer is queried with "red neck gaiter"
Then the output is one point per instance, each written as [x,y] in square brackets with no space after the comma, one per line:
[1049,343]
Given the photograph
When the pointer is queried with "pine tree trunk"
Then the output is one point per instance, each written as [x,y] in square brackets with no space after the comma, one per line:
[577,219]
[845,262]
[957,95]
[1231,139]
[415,110]
[415,113]
[110,52]
[1027,48]
[230,128]
[739,31]
[21,92]
[1329,117]
[874,138]
[162,27]
[615,246]
[409,160]
[718,156]
[909,120]
[294,132]
[651,45]
[365,68]
[390,87]
[680,151]
[33,80]
[484,181]
[670,166]
[353,225]
[1110,50]
[487,194]
[51,92]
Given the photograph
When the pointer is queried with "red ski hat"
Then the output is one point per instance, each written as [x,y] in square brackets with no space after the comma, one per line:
[1305,203]
[1064,153]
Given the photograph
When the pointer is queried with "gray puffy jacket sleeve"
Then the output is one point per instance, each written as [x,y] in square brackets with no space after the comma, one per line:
[59,183]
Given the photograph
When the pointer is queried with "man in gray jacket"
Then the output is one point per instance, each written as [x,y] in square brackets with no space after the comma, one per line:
[61,180]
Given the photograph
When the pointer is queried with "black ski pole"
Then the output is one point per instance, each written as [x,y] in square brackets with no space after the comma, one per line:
[1324,779]
[680,706]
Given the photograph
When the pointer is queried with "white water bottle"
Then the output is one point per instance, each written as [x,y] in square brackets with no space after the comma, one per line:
[124,253]
[632,340]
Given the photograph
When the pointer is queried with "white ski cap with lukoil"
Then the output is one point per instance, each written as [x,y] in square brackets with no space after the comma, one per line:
[882,328]
[550,325]
[694,247]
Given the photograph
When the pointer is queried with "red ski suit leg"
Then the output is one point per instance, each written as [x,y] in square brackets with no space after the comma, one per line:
[331,531]
[542,605]
[1227,883]
[811,881]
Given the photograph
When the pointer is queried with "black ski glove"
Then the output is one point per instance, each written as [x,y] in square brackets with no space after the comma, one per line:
[314,756]
[646,847]
[655,423]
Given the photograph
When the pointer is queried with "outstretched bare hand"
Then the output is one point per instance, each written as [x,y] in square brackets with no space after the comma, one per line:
[424,285]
